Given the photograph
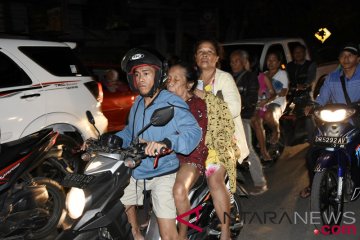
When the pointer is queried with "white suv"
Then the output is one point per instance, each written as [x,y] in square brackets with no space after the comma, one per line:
[43,84]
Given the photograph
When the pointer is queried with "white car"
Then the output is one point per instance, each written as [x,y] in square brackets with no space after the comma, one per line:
[44,85]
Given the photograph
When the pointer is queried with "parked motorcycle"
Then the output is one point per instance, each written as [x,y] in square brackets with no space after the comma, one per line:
[93,202]
[30,208]
[338,142]
[62,158]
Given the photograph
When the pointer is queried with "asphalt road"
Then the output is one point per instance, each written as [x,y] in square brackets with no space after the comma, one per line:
[280,213]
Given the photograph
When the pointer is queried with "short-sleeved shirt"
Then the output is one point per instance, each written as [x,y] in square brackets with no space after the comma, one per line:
[198,156]
[280,81]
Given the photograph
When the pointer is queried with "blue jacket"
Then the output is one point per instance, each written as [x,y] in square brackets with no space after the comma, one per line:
[332,92]
[183,132]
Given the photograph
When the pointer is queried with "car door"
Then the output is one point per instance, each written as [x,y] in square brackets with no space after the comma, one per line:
[21,103]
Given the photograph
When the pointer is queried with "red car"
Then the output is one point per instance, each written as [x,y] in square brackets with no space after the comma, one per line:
[117,101]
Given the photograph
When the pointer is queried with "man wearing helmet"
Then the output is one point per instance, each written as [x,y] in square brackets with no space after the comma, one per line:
[146,73]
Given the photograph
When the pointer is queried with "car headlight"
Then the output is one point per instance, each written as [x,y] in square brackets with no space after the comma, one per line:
[75,202]
[337,115]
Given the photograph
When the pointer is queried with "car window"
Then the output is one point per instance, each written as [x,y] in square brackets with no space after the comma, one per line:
[59,61]
[292,45]
[122,85]
[254,51]
[11,75]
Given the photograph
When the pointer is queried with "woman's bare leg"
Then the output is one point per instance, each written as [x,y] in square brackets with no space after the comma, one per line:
[258,126]
[185,179]
[221,200]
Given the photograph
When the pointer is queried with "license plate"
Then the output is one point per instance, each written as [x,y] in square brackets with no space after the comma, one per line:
[331,141]
[77,180]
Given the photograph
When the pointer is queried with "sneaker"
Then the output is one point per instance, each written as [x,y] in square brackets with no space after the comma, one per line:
[259,190]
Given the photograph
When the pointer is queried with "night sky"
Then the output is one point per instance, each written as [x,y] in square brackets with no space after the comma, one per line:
[229,20]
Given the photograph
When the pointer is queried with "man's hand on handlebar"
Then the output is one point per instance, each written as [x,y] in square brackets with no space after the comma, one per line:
[154,148]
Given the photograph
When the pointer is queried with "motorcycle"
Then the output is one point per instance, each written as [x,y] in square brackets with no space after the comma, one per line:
[294,123]
[295,127]
[94,205]
[337,141]
[30,208]
[62,158]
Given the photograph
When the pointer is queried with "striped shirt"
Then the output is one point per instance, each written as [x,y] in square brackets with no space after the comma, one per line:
[332,92]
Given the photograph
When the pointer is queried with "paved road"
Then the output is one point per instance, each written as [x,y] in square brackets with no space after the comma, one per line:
[282,202]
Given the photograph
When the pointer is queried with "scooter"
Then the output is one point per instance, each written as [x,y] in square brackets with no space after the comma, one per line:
[30,208]
[337,161]
[94,205]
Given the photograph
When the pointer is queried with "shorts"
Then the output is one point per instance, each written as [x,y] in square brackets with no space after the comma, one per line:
[161,194]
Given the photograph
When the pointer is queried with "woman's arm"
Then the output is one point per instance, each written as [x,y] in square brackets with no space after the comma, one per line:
[270,88]
[230,93]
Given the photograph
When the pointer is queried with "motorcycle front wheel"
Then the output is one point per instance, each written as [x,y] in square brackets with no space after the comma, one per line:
[323,198]
[55,206]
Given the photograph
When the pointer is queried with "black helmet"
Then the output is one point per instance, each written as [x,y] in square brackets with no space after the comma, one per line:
[144,56]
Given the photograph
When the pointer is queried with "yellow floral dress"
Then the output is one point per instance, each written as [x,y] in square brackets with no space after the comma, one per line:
[219,138]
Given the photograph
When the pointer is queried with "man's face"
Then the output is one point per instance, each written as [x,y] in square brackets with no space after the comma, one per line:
[348,60]
[236,64]
[144,77]
[299,54]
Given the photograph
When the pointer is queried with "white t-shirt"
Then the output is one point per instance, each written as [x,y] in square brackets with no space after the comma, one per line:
[279,81]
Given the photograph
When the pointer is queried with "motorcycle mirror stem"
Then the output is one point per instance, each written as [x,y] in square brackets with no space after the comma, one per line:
[160,117]
[91,120]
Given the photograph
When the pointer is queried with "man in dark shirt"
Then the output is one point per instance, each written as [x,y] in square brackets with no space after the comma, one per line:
[301,73]
[248,85]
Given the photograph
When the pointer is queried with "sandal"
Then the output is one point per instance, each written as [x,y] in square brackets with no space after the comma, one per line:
[305,193]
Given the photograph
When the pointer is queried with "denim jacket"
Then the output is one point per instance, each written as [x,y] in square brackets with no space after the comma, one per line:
[182,131]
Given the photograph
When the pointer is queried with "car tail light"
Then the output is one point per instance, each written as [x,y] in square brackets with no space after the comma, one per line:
[96,90]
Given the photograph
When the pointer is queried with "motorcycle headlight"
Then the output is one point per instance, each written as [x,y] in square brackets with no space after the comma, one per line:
[75,202]
[337,115]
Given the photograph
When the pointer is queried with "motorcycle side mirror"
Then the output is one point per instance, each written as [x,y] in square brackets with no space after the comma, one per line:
[160,117]
[91,120]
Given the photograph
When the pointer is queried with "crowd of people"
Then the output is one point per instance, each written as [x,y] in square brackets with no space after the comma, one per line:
[215,115]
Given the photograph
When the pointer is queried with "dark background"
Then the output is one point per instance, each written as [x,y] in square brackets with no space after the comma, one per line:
[105,29]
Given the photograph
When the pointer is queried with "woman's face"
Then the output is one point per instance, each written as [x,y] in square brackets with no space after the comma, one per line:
[177,82]
[206,56]
[272,62]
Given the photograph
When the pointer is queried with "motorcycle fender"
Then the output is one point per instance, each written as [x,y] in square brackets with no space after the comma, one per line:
[106,218]
[325,161]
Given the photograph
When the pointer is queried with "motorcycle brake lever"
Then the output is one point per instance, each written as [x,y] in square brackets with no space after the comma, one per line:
[163,151]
